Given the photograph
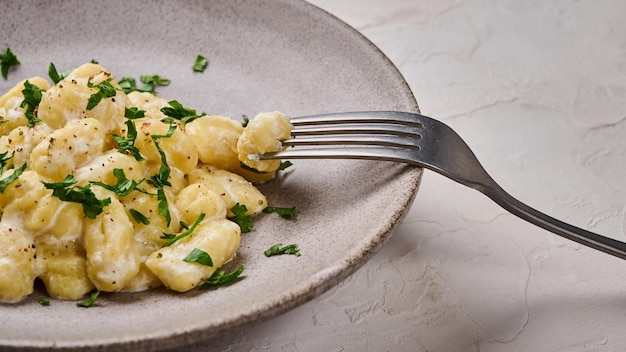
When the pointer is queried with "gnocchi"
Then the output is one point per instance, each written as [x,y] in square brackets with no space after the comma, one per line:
[92,198]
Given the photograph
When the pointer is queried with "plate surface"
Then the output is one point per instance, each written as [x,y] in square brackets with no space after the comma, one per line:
[263,55]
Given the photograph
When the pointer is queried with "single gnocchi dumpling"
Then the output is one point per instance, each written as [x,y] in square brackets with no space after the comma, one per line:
[68,100]
[216,138]
[12,114]
[218,238]
[179,150]
[263,135]
[17,263]
[231,188]
[68,148]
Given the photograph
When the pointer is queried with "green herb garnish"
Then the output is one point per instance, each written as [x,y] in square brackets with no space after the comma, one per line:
[162,207]
[139,217]
[32,98]
[240,218]
[177,111]
[246,120]
[5,182]
[55,76]
[134,113]
[199,256]
[200,64]
[44,302]
[105,90]
[160,179]
[285,164]
[7,60]
[4,158]
[278,250]
[285,213]
[150,82]
[127,144]
[220,277]
[92,206]
[183,234]
[123,187]
[89,302]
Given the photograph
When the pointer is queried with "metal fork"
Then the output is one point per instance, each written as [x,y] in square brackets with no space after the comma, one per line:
[421,141]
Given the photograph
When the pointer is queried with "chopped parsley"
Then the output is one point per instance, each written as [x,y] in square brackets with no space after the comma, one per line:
[90,301]
[173,238]
[5,182]
[127,144]
[105,90]
[92,206]
[123,187]
[199,256]
[200,64]
[44,302]
[240,218]
[285,213]
[150,82]
[278,250]
[4,158]
[139,217]
[160,179]
[32,98]
[134,113]
[177,111]
[55,76]
[285,164]
[246,120]
[163,207]
[7,60]
[220,277]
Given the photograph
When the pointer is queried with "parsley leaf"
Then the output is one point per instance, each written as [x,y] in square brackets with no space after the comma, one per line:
[285,213]
[7,60]
[199,256]
[163,208]
[183,234]
[123,187]
[89,302]
[105,90]
[55,76]
[278,250]
[160,180]
[200,64]
[44,302]
[150,82]
[32,98]
[127,144]
[139,217]
[128,84]
[92,206]
[240,218]
[220,277]
[177,111]
[285,164]
[246,120]
[5,182]
[134,113]
[3,160]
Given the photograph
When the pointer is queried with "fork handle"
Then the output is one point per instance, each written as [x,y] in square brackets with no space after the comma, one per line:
[576,234]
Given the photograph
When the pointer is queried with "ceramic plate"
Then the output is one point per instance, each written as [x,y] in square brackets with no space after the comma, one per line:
[263,55]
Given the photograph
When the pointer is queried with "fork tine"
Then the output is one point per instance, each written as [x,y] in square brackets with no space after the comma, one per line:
[346,152]
[375,140]
[384,117]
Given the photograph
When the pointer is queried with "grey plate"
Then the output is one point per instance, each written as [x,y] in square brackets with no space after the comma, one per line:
[264,55]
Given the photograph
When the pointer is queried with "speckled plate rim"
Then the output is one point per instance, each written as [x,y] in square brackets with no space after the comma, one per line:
[315,284]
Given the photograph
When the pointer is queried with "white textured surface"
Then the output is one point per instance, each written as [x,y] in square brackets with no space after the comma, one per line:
[538,90]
